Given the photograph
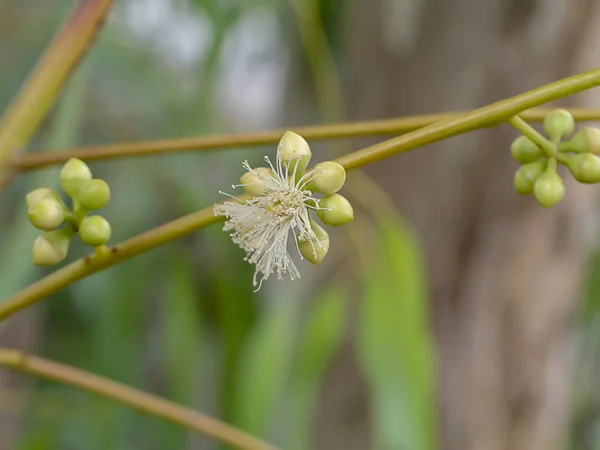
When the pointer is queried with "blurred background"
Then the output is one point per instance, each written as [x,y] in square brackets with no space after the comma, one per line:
[450,314]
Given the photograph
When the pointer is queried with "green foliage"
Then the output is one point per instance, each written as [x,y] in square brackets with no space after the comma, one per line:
[395,348]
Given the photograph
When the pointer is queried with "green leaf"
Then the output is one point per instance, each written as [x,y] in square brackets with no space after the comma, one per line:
[395,348]
[320,340]
[264,368]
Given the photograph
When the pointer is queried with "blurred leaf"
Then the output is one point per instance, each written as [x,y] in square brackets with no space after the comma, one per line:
[319,342]
[395,348]
[264,367]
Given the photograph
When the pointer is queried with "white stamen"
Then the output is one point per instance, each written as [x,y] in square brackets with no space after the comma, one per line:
[261,226]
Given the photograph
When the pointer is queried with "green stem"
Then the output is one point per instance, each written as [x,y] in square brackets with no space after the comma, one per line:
[486,116]
[534,136]
[395,126]
[139,400]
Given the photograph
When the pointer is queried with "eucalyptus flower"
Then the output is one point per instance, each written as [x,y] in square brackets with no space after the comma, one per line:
[280,205]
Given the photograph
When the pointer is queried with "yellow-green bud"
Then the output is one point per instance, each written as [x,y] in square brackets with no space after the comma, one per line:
[585,167]
[329,177]
[549,188]
[95,230]
[584,141]
[94,194]
[526,176]
[255,182]
[335,210]
[315,252]
[46,214]
[52,247]
[295,152]
[559,124]
[524,150]
[73,174]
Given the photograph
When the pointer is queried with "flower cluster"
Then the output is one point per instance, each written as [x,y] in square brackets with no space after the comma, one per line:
[282,196]
[48,212]
[538,173]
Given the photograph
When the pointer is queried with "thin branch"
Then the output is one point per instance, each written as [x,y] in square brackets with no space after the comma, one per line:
[400,125]
[534,135]
[43,85]
[483,117]
[135,398]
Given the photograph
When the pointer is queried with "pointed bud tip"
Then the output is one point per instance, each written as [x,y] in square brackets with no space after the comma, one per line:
[293,147]
[314,252]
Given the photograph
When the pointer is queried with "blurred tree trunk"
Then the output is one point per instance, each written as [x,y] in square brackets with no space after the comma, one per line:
[504,273]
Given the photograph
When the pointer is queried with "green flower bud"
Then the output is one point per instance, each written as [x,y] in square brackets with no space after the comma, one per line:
[524,150]
[329,177]
[95,231]
[315,252]
[94,194]
[559,124]
[584,141]
[46,214]
[585,167]
[335,210]
[526,176]
[73,174]
[295,151]
[52,247]
[549,188]
[255,182]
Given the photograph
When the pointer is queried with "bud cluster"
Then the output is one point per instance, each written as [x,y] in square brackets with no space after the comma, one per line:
[538,172]
[48,212]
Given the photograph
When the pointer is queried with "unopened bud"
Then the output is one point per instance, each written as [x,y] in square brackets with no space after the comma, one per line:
[94,194]
[559,124]
[585,167]
[95,230]
[524,150]
[73,174]
[46,214]
[51,247]
[526,176]
[549,188]
[256,181]
[294,152]
[335,210]
[328,178]
[315,250]
[584,141]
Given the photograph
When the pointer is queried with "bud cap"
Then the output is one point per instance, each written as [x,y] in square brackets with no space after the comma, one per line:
[585,167]
[524,150]
[255,181]
[526,176]
[94,194]
[328,177]
[313,251]
[559,124]
[549,188]
[73,174]
[46,214]
[295,151]
[335,210]
[51,248]
[95,231]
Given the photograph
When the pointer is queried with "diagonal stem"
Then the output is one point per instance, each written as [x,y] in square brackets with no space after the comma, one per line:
[43,85]
[482,117]
[400,125]
[536,137]
[137,399]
